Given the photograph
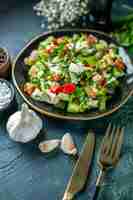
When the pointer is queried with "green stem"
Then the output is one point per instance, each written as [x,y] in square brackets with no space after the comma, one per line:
[127,7]
[121,20]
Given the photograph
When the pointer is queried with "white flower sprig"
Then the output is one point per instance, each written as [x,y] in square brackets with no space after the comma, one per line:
[60,13]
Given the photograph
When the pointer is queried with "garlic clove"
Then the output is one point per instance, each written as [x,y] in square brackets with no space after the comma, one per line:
[49,145]
[24,125]
[67,145]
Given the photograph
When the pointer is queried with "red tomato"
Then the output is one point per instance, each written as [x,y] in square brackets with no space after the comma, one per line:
[103,82]
[69,88]
[89,66]
[56,77]
[50,48]
[119,64]
[92,92]
[56,89]
[60,40]
[29,88]
[91,39]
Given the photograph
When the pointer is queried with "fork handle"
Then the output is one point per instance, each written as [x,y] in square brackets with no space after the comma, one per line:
[95,186]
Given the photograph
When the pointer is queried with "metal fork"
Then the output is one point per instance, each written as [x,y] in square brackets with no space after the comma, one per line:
[109,156]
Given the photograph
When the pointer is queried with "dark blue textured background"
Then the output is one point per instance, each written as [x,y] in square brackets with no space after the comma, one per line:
[27,174]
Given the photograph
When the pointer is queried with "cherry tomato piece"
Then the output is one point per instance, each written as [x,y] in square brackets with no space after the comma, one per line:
[69,88]
[56,89]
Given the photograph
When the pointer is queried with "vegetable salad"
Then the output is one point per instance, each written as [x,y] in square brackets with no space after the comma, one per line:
[74,73]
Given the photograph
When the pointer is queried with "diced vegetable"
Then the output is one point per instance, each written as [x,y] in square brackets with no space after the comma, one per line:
[119,64]
[116,72]
[29,88]
[91,39]
[46,42]
[56,89]
[91,91]
[60,105]
[56,77]
[76,68]
[101,45]
[40,96]
[63,96]
[89,60]
[74,73]
[73,107]
[69,88]
[102,104]
[33,71]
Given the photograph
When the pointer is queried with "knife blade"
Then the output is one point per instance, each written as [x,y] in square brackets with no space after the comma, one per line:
[81,169]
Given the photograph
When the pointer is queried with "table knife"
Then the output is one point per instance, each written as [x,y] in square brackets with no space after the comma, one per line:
[81,169]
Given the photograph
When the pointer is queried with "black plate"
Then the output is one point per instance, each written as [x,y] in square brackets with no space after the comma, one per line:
[19,78]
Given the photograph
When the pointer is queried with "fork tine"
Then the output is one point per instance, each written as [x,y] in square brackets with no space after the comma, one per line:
[110,140]
[111,147]
[107,133]
[119,145]
[115,141]
[105,139]
[108,130]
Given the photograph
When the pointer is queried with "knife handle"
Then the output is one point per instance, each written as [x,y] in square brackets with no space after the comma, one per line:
[95,186]
[68,196]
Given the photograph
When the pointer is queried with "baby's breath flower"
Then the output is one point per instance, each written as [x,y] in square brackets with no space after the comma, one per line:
[60,13]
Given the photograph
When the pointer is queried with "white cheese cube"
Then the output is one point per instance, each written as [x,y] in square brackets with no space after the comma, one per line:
[76,68]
